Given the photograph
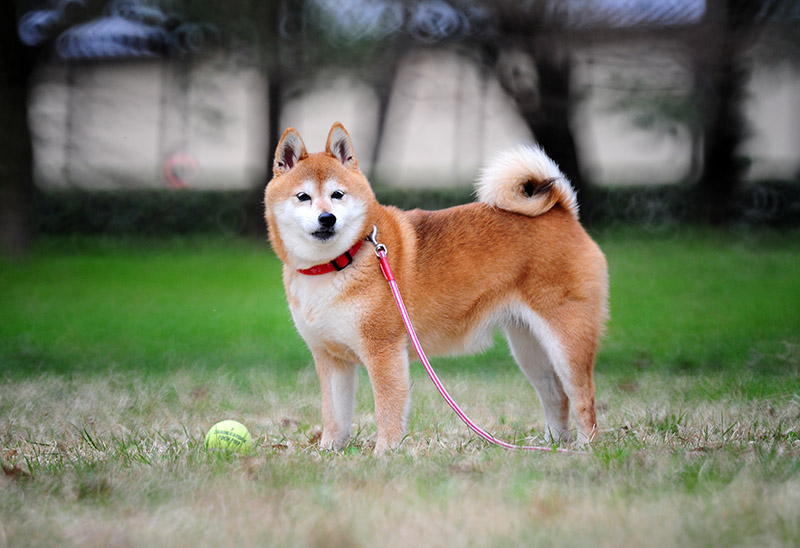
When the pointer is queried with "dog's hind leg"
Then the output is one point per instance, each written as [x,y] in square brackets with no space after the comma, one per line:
[532,356]
[338,384]
[576,371]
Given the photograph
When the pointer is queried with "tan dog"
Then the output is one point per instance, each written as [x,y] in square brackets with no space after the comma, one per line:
[518,259]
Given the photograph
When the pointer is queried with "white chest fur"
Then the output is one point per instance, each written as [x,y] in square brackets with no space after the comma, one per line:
[320,314]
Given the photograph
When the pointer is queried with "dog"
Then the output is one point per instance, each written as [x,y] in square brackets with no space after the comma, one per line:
[517,258]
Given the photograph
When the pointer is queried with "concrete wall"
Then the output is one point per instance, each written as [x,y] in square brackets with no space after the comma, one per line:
[115,125]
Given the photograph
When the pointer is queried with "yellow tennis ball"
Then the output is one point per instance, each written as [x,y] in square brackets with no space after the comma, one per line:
[231,436]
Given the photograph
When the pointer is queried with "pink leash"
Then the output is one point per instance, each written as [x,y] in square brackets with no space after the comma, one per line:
[380,251]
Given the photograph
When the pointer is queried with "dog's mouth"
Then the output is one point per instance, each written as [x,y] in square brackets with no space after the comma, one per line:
[324,234]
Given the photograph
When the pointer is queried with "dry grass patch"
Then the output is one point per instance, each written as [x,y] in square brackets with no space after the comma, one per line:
[106,460]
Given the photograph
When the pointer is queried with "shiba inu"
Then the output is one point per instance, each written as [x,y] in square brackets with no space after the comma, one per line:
[518,259]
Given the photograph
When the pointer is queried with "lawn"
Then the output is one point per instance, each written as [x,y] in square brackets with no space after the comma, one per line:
[117,355]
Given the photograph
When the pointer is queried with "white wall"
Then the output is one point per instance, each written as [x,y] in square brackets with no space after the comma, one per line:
[115,124]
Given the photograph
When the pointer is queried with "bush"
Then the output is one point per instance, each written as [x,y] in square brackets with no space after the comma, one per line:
[147,212]
[772,204]
[178,212]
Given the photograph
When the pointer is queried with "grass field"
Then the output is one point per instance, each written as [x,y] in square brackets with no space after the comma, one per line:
[117,355]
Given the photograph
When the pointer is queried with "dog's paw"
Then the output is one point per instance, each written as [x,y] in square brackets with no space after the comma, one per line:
[586,438]
[330,442]
[555,436]
[384,446]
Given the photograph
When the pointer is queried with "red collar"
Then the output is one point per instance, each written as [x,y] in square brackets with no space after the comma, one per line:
[339,263]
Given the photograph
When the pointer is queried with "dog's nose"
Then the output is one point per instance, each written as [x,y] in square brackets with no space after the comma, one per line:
[327,220]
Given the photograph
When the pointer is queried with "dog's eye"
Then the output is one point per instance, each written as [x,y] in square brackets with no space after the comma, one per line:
[303,197]
[337,195]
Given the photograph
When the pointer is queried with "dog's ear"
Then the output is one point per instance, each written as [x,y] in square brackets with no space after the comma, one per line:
[291,150]
[340,146]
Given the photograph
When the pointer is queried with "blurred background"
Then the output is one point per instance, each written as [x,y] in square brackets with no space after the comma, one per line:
[161,116]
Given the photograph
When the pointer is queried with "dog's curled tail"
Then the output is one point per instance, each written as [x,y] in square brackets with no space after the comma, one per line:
[525,180]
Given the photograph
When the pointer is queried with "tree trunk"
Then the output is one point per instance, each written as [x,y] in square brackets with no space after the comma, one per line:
[551,123]
[17,226]
[720,80]
[274,108]
[275,78]
[384,76]
[269,13]
[547,109]
[723,133]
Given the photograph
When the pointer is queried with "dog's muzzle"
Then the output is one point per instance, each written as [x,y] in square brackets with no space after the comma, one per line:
[327,222]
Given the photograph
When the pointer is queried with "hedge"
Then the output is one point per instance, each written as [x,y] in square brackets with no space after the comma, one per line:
[177,212]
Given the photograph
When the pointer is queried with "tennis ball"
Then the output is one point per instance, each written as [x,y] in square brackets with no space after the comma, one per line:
[231,436]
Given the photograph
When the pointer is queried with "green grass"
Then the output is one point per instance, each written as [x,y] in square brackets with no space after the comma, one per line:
[703,300]
[117,355]
[147,306]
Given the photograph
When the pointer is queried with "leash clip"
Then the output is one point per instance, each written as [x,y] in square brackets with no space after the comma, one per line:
[380,249]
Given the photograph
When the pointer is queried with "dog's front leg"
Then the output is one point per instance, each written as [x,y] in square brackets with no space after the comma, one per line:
[388,374]
[337,381]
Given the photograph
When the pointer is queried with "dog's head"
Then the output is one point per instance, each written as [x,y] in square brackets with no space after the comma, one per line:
[317,205]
